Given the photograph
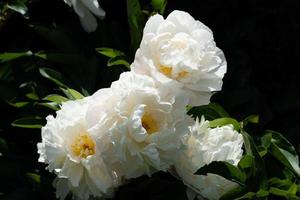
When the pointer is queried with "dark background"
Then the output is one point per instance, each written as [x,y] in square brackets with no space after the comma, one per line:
[260,40]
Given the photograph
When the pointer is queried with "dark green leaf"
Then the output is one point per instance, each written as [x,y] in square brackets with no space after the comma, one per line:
[136,21]
[283,184]
[250,119]
[116,57]
[283,193]
[282,150]
[28,122]
[72,94]
[18,6]
[3,145]
[259,172]
[30,89]
[32,96]
[286,158]
[225,170]
[293,189]
[262,151]
[118,60]
[262,193]
[19,104]
[5,57]
[280,141]
[54,76]
[248,195]
[225,121]
[210,112]
[246,162]
[234,193]
[6,72]
[159,5]
[55,98]
[34,177]
[109,52]
[51,105]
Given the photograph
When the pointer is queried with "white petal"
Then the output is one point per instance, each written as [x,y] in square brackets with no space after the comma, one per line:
[152,24]
[62,187]
[78,8]
[88,21]
[94,7]
[72,171]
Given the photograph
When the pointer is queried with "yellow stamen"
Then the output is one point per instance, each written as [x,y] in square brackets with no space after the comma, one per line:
[149,123]
[83,146]
[166,70]
[182,74]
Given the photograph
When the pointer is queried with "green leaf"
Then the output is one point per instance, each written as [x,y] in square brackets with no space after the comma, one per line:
[262,151]
[118,60]
[18,6]
[9,56]
[248,195]
[109,52]
[72,94]
[55,98]
[225,121]
[136,21]
[159,5]
[6,72]
[54,76]
[3,146]
[34,177]
[234,193]
[283,184]
[258,177]
[51,105]
[32,96]
[254,119]
[281,141]
[283,193]
[262,193]
[211,111]
[246,162]
[278,192]
[225,170]
[280,148]
[30,89]
[19,104]
[28,122]
[116,57]
[293,189]
[286,158]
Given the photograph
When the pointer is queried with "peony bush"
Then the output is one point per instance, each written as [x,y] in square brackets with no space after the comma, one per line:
[156,117]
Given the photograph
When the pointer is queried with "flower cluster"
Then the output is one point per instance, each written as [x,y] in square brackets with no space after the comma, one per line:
[139,125]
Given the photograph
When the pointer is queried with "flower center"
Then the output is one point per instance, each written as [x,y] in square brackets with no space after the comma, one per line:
[168,72]
[83,146]
[149,123]
[182,74]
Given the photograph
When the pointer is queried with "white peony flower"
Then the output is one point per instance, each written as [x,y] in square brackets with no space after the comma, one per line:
[181,52]
[74,153]
[146,129]
[203,146]
[85,10]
